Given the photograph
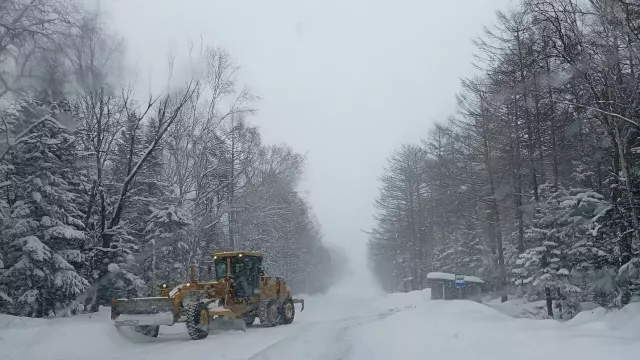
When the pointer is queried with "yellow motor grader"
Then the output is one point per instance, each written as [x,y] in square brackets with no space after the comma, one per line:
[237,293]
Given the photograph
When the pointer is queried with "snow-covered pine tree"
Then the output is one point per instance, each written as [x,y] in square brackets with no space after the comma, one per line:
[593,252]
[154,220]
[128,148]
[150,189]
[563,253]
[630,273]
[116,267]
[5,300]
[614,281]
[621,228]
[44,233]
[447,253]
[473,252]
[166,256]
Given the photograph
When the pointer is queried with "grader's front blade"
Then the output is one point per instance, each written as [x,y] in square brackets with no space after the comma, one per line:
[150,311]
[225,319]
[227,324]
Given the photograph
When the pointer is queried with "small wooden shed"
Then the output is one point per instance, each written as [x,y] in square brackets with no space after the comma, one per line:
[443,287]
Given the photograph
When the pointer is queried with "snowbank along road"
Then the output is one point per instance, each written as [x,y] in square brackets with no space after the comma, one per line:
[398,326]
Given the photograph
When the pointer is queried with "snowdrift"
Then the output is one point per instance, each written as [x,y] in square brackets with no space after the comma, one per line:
[623,321]
[520,308]
[464,329]
[14,322]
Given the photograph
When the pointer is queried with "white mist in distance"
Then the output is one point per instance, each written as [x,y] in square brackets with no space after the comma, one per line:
[357,281]
[345,82]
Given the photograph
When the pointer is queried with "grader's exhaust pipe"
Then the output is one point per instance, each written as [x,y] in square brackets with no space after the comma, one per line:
[193,273]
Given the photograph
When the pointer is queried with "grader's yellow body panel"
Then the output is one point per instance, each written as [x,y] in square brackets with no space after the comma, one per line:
[236,294]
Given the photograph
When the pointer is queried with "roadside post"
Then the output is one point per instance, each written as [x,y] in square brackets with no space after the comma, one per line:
[460,284]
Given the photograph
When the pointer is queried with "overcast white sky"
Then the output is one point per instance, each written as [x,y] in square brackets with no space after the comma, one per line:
[346,81]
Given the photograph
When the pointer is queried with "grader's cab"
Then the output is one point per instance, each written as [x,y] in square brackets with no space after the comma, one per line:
[241,269]
[236,293]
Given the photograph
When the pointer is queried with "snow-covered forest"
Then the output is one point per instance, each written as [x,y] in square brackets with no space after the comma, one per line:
[107,191]
[534,184]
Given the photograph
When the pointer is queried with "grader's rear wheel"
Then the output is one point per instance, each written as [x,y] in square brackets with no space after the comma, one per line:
[197,321]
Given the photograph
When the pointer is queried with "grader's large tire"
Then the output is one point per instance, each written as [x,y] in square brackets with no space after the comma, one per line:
[147,330]
[197,321]
[269,314]
[286,312]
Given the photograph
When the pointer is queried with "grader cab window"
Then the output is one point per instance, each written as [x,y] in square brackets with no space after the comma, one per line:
[245,274]
[221,268]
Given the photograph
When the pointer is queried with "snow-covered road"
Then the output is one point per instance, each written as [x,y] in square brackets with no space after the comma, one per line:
[341,326]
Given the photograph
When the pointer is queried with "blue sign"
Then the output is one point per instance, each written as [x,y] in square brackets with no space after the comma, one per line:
[459,280]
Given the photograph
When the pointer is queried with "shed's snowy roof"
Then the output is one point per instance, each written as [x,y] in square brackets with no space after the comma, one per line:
[452,277]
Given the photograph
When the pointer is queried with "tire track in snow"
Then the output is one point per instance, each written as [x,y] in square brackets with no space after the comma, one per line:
[277,344]
[345,339]
[328,340]
[341,346]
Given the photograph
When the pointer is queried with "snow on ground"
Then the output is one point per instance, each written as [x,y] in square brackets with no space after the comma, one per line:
[96,338]
[520,308]
[624,321]
[463,330]
[348,323]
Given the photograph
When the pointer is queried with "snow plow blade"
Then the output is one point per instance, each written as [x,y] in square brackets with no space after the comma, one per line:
[225,320]
[227,324]
[143,311]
